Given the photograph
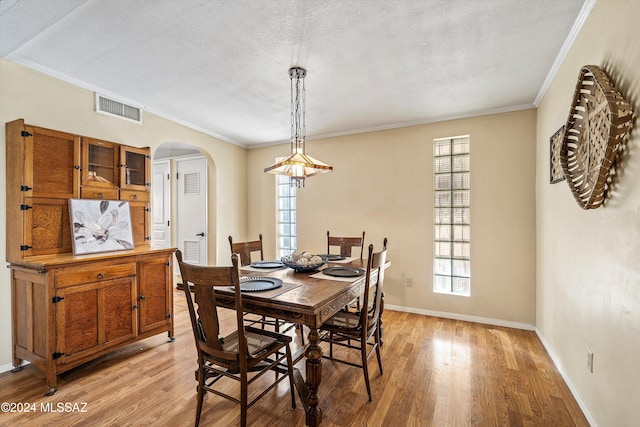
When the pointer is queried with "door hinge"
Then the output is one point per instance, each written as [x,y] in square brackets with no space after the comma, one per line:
[57,355]
[147,209]
[25,247]
[168,177]
[148,156]
[168,223]
[169,316]
[25,133]
[148,184]
[56,299]
[147,238]
[25,207]
[25,188]
[177,175]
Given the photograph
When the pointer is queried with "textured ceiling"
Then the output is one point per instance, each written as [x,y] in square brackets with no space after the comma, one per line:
[222,66]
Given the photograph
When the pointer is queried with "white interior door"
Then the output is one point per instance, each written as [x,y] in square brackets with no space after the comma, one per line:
[161,207]
[191,211]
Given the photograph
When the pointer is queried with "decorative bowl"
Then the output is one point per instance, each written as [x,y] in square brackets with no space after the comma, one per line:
[306,268]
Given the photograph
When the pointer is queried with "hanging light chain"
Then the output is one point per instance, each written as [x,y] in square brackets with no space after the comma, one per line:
[298,125]
[298,165]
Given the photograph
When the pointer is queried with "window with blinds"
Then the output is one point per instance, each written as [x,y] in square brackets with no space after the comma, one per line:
[286,215]
[452,216]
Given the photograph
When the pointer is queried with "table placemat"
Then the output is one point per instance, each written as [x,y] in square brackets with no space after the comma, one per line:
[344,261]
[260,270]
[321,275]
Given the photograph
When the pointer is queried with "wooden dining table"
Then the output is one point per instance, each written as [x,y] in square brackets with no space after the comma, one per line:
[306,300]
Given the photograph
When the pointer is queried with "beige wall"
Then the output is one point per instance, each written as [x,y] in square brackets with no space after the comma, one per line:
[51,103]
[588,289]
[382,183]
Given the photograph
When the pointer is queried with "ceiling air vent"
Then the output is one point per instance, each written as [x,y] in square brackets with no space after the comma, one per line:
[116,108]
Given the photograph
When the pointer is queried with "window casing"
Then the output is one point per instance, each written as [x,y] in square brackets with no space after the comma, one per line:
[286,215]
[452,216]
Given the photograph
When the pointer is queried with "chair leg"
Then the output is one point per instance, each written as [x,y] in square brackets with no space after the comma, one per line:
[290,373]
[301,328]
[365,368]
[330,345]
[200,394]
[378,342]
[243,399]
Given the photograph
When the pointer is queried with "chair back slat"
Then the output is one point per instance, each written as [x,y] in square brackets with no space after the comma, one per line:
[362,323]
[244,249]
[378,261]
[346,244]
[202,281]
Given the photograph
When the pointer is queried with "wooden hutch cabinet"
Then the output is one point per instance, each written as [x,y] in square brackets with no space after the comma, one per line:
[68,309]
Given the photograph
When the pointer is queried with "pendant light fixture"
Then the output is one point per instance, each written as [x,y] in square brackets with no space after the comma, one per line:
[298,165]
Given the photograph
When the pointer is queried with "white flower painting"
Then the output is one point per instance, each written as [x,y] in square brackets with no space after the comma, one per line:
[100,226]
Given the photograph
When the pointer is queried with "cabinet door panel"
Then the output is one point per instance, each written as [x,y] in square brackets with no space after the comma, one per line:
[99,163]
[54,167]
[118,313]
[95,316]
[156,298]
[139,223]
[47,226]
[135,168]
[81,320]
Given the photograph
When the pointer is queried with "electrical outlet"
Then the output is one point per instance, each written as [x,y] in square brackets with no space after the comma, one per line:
[590,360]
[408,282]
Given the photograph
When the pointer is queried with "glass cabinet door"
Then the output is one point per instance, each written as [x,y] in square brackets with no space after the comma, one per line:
[100,163]
[135,168]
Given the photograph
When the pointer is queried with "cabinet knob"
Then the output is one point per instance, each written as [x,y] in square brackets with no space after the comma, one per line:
[135,307]
[100,276]
[141,297]
[100,196]
[134,197]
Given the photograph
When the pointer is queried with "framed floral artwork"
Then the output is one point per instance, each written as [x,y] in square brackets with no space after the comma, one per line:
[100,226]
[555,168]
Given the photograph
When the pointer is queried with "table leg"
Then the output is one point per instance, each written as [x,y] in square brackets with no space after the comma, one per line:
[308,390]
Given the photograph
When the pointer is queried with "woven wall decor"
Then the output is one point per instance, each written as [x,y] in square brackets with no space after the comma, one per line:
[555,168]
[598,121]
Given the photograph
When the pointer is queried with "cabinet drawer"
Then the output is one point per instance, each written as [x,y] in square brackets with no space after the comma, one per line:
[98,193]
[134,196]
[94,273]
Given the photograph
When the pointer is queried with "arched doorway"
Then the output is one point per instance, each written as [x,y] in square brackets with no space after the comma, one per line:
[180,200]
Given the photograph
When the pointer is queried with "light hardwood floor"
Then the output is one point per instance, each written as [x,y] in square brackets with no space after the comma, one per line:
[437,372]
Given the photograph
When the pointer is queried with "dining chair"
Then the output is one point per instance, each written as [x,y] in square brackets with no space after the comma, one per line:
[360,327]
[346,244]
[245,251]
[244,355]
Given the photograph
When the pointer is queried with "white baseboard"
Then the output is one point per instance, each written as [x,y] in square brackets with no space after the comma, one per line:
[9,366]
[572,389]
[467,318]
